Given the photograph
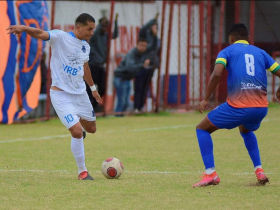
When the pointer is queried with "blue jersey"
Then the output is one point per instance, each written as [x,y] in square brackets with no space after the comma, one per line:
[247,80]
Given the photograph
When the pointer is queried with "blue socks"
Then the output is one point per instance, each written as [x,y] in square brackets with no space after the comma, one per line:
[251,144]
[206,148]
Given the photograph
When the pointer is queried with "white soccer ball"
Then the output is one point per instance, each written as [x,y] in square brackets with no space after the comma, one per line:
[112,168]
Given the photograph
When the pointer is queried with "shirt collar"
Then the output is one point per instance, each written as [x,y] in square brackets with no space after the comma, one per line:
[241,42]
[72,34]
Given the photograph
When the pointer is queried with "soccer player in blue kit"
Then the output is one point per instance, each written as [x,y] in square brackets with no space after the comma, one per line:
[246,104]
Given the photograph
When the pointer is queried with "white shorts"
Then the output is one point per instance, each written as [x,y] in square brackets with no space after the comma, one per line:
[70,108]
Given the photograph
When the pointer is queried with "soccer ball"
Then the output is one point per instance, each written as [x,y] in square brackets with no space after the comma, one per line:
[112,168]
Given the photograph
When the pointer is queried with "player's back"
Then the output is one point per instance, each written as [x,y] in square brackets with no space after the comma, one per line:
[247,80]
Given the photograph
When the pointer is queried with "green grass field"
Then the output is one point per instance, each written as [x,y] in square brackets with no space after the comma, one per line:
[162,161]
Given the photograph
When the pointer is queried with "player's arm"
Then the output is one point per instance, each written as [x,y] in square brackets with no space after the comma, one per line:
[34,32]
[277,73]
[213,82]
[89,81]
[274,68]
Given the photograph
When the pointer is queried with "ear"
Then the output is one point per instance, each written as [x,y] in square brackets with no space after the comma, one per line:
[231,39]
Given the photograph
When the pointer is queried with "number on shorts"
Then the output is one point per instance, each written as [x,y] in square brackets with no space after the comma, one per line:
[250,64]
[69,118]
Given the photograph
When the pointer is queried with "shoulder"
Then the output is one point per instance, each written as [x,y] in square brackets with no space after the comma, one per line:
[230,49]
[224,51]
[257,49]
[56,31]
[55,34]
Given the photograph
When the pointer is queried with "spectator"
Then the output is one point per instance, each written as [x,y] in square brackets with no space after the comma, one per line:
[98,55]
[143,78]
[136,60]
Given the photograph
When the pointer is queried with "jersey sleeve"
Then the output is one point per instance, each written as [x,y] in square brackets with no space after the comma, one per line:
[54,35]
[270,64]
[222,58]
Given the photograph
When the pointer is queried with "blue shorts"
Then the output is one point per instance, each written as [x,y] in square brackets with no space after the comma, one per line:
[226,116]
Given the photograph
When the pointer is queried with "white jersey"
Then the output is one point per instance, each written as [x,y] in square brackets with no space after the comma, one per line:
[67,61]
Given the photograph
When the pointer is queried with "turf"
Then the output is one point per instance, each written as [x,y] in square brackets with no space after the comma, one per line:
[161,159]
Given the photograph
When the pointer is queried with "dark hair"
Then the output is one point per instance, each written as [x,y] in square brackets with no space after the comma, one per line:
[141,39]
[102,19]
[239,31]
[84,18]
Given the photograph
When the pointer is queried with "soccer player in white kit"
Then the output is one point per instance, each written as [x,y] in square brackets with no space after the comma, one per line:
[69,70]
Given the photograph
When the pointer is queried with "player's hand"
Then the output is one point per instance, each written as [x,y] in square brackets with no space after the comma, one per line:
[15,29]
[278,94]
[117,15]
[202,105]
[96,96]
[157,16]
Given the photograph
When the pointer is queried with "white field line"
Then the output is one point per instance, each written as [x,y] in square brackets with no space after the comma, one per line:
[125,171]
[35,139]
[153,129]
[112,131]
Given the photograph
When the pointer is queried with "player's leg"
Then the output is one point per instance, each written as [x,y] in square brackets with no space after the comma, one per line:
[78,151]
[251,144]
[250,140]
[86,113]
[89,126]
[223,116]
[63,104]
[88,122]
[203,131]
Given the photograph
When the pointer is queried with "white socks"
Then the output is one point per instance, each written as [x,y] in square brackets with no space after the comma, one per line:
[77,147]
[209,170]
[260,166]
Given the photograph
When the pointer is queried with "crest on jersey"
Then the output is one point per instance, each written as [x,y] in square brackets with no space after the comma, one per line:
[84,48]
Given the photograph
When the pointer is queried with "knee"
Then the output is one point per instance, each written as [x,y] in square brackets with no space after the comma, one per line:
[92,130]
[198,126]
[77,133]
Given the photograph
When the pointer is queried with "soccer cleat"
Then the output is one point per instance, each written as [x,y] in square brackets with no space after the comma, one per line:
[208,179]
[85,176]
[262,178]
[84,134]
